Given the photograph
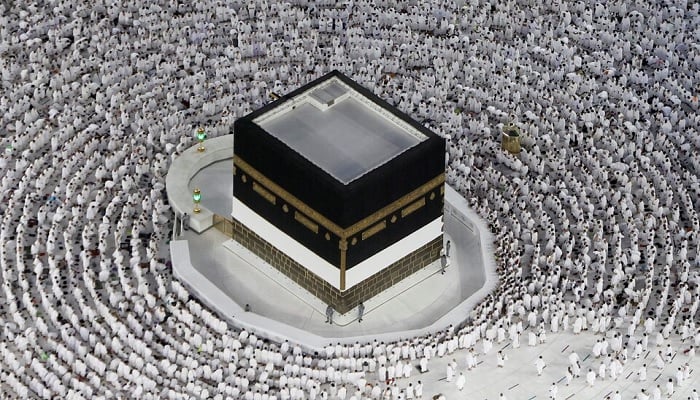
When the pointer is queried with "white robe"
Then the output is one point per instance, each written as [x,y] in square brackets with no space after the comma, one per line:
[531,339]
[590,378]
[461,380]
[642,374]
[471,360]
[500,359]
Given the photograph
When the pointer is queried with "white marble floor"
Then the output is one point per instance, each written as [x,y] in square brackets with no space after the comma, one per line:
[518,379]
[216,183]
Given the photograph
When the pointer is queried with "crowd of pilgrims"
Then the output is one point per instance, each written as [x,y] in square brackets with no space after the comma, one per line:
[596,220]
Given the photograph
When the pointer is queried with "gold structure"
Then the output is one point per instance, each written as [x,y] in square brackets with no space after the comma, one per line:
[197,198]
[510,139]
[301,218]
[414,206]
[374,229]
[201,135]
[264,193]
[343,247]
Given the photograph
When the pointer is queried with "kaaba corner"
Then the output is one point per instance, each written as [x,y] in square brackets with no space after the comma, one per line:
[338,189]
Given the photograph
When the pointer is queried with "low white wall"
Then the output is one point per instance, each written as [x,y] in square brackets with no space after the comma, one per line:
[184,168]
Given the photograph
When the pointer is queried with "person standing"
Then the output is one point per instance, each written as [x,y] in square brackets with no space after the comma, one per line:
[531,339]
[642,373]
[487,345]
[590,377]
[615,368]
[569,375]
[553,391]
[461,380]
[407,369]
[500,359]
[576,368]
[410,392]
[360,311]
[540,365]
[575,361]
[423,365]
[601,370]
[471,359]
[381,371]
[679,377]
[329,314]
[185,222]
[642,395]
[669,387]
[515,339]
[659,361]
[419,390]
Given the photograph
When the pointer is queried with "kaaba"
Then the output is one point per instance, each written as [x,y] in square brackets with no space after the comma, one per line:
[345,175]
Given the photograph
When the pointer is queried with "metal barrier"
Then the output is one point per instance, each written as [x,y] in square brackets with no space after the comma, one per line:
[176,226]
